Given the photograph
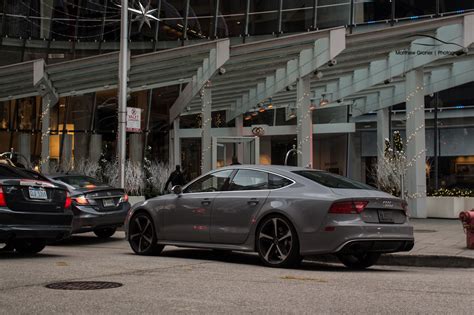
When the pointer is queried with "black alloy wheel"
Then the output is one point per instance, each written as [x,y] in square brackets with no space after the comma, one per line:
[29,246]
[359,261]
[105,232]
[277,242]
[142,237]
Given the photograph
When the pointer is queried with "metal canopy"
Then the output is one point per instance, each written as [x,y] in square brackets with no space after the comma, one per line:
[373,65]
[98,73]
[367,63]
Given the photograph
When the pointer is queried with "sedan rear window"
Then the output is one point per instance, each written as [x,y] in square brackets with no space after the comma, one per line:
[332,180]
[80,181]
[8,172]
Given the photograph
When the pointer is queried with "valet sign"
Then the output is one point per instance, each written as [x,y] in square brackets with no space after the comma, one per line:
[134,120]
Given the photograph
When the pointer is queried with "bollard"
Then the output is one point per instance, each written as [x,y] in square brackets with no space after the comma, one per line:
[467,219]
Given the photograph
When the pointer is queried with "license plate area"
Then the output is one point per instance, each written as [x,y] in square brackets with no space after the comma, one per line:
[37,193]
[107,203]
[386,216]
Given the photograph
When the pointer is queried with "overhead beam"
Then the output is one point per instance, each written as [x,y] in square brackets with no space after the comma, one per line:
[210,65]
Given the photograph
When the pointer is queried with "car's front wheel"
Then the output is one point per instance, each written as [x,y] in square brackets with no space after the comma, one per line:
[142,235]
[105,232]
[359,261]
[277,242]
[29,246]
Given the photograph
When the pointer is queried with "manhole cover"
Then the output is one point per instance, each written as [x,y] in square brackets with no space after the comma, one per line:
[83,285]
[425,231]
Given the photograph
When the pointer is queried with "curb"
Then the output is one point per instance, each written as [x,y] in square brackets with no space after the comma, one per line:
[433,261]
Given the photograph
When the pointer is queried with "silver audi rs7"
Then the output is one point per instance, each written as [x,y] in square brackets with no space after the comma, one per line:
[282,213]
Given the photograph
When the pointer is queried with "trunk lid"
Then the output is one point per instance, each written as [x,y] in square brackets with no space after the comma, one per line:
[382,208]
[104,199]
[27,195]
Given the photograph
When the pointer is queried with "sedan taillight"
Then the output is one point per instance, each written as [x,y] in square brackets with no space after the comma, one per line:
[348,207]
[3,203]
[81,200]
[124,198]
[67,203]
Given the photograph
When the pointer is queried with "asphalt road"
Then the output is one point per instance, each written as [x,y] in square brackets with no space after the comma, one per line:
[199,281]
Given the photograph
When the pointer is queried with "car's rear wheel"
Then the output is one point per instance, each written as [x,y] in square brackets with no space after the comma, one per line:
[29,246]
[105,232]
[142,235]
[277,242]
[359,261]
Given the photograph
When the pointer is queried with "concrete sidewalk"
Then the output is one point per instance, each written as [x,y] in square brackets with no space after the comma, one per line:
[438,243]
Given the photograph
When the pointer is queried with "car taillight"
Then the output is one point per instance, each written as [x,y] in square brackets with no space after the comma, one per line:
[3,203]
[67,203]
[124,198]
[348,207]
[81,200]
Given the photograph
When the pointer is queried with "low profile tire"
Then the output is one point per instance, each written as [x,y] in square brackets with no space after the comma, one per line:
[359,261]
[142,235]
[277,242]
[29,246]
[7,247]
[105,232]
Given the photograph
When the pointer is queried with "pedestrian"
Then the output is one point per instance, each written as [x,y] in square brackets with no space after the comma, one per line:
[176,178]
[235,161]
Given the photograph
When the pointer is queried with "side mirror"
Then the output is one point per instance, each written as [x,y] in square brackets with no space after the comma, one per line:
[177,189]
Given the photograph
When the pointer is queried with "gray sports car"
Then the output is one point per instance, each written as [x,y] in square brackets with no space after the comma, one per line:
[283,213]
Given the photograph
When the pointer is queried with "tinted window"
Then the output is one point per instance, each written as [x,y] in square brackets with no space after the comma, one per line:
[212,182]
[7,172]
[332,180]
[275,181]
[249,180]
[80,181]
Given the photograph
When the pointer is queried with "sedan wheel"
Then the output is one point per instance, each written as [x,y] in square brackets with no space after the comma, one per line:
[142,236]
[277,242]
[359,261]
[29,246]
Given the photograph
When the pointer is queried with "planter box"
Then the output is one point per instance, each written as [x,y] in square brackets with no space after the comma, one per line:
[447,207]
[135,199]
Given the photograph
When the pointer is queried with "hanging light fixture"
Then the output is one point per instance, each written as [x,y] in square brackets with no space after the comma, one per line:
[254,112]
[247,116]
[324,101]
[312,106]
[261,108]
[270,104]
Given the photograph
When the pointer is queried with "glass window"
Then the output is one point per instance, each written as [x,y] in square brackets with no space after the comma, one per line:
[80,181]
[212,182]
[275,181]
[408,8]
[249,180]
[332,180]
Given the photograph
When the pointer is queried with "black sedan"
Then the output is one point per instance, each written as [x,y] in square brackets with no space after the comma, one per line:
[32,211]
[97,207]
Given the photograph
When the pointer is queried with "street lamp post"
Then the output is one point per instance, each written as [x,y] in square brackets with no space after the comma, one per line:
[122,93]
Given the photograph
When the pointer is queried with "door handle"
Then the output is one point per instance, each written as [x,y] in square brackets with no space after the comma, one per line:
[206,202]
[252,202]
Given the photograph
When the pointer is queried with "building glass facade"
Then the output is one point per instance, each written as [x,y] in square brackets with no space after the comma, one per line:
[61,30]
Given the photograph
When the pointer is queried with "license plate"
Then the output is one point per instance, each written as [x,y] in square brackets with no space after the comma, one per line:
[386,216]
[37,193]
[108,203]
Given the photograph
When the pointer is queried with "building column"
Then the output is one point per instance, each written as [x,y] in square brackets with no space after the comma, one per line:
[304,128]
[136,147]
[383,132]
[416,146]
[24,145]
[175,144]
[45,132]
[355,158]
[206,141]
[95,147]
[67,152]
[239,131]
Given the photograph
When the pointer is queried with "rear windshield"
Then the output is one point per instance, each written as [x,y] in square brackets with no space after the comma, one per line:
[332,180]
[80,181]
[8,172]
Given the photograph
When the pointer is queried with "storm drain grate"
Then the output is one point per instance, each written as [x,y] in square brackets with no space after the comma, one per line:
[83,285]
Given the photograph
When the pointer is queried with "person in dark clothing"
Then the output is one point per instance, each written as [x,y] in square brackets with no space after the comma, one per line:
[176,178]
[235,161]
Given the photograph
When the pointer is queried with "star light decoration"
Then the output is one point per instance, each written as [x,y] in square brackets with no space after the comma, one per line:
[144,14]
